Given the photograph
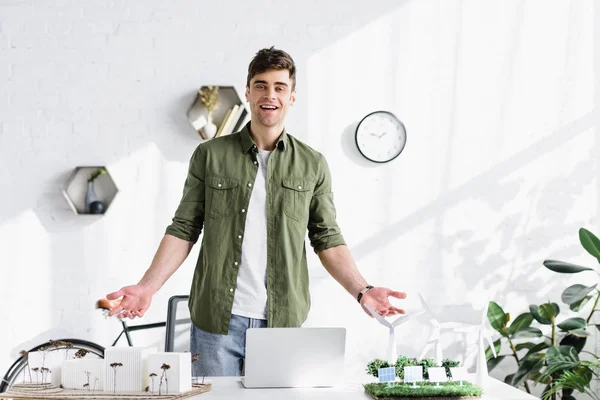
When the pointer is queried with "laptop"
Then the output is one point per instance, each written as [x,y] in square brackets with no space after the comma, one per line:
[294,357]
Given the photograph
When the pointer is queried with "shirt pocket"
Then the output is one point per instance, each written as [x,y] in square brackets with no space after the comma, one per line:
[221,194]
[296,198]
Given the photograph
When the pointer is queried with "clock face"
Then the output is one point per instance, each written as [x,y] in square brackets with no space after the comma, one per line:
[380,136]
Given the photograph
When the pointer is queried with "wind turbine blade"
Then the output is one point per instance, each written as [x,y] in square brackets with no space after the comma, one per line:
[489,339]
[485,311]
[424,303]
[425,349]
[401,320]
[378,317]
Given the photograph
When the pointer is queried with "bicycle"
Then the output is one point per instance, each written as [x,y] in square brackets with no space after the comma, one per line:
[72,346]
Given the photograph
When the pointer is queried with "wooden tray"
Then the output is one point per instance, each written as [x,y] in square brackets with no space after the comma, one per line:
[46,392]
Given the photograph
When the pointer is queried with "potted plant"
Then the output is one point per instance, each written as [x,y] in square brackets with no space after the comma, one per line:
[92,204]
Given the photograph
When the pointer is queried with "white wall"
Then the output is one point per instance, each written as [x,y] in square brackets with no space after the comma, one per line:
[499,98]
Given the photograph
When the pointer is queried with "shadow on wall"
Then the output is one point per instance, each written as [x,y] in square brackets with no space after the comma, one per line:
[492,188]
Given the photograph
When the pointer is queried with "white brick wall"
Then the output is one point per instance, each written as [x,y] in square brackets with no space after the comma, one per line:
[497,175]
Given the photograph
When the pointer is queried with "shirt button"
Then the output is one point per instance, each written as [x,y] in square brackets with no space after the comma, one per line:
[299,187]
[243,210]
[249,185]
[219,185]
[235,263]
[239,236]
[230,290]
[255,162]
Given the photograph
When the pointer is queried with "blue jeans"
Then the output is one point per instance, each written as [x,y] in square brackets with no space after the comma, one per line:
[222,355]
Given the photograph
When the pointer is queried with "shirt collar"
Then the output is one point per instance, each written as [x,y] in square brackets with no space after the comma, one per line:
[248,144]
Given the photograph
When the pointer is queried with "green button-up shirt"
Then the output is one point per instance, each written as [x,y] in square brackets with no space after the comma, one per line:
[216,195]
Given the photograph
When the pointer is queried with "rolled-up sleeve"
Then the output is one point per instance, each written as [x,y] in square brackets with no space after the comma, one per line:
[323,230]
[189,217]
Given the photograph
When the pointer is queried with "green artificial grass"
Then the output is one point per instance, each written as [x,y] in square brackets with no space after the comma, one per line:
[381,391]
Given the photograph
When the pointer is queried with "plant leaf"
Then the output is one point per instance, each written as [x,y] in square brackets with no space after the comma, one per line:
[527,333]
[526,345]
[580,304]
[578,343]
[559,358]
[522,321]
[572,323]
[535,349]
[492,363]
[508,379]
[497,318]
[564,268]
[528,367]
[579,332]
[549,311]
[576,293]
[488,351]
[535,311]
[590,243]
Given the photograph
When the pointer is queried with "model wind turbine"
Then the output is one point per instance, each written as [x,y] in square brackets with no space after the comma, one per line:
[434,337]
[392,352]
[483,334]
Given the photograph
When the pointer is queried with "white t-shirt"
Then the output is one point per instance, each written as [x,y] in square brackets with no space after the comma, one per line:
[250,298]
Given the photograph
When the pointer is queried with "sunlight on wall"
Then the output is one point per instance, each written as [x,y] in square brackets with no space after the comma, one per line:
[497,173]
[27,305]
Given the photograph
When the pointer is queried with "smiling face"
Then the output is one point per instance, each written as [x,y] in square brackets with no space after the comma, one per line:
[270,94]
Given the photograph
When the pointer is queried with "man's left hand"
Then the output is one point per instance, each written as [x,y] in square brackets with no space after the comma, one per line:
[377,299]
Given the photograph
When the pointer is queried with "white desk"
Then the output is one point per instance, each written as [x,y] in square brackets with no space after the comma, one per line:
[231,388]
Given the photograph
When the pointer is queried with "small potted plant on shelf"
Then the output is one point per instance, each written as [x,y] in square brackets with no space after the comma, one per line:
[209,98]
[92,204]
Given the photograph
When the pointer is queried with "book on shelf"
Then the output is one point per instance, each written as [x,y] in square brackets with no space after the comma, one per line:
[234,119]
[222,124]
[241,120]
[227,121]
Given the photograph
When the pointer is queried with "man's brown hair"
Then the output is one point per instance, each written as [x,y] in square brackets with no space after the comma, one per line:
[272,58]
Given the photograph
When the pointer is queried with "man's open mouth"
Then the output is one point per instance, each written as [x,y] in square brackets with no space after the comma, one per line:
[269,107]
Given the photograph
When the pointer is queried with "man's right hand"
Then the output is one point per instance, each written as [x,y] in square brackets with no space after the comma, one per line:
[135,301]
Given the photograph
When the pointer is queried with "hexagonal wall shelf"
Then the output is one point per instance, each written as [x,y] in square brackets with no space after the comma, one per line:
[230,116]
[76,188]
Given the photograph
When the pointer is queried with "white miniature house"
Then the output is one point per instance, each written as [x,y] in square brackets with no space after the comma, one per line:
[83,373]
[173,372]
[51,360]
[126,369]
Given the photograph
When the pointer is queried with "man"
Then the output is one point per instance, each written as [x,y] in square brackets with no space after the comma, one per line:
[255,193]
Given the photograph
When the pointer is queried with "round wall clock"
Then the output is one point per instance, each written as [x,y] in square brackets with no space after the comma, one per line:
[380,136]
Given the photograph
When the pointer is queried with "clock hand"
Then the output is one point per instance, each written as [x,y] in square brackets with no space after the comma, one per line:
[382,134]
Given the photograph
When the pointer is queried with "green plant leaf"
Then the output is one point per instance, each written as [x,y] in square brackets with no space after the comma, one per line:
[598,327]
[527,333]
[572,323]
[590,243]
[578,306]
[528,367]
[578,343]
[497,318]
[564,268]
[579,333]
[576,293]
[560,358]
[548,311]
[488,351]
[526,345]
[535,349]
[535,311]
[522,321]
[508,379]
[492,363]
